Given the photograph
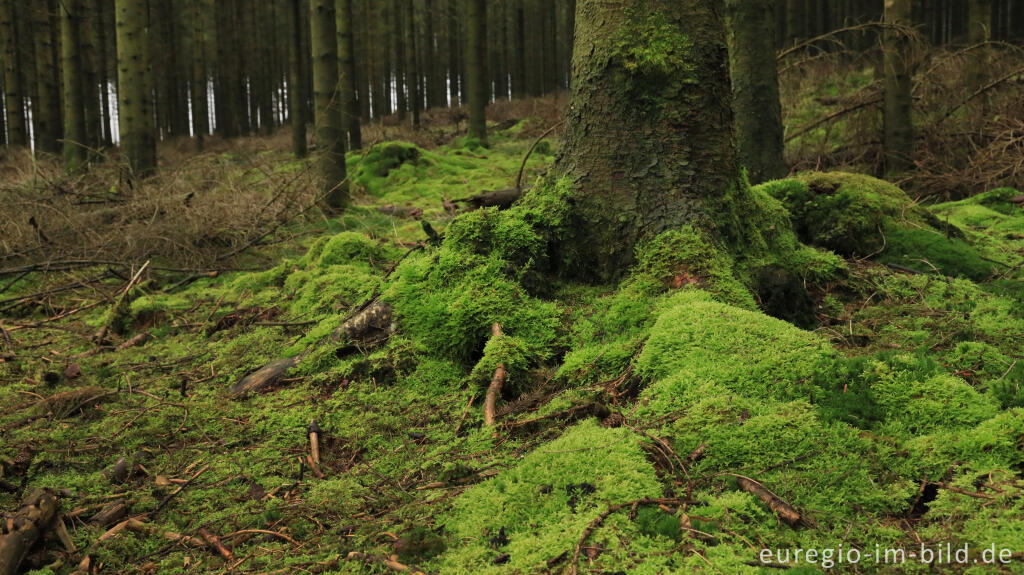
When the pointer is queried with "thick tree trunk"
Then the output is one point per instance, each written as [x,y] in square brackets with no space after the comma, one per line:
[347,69]
[648,144]
[134,94]
[330,134]
[296,84]
[898,137]
[476,67]
[755,87]
[14,98]
[71,59]
[91,71]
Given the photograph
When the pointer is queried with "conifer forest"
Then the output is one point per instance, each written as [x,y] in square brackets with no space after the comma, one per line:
[517,287]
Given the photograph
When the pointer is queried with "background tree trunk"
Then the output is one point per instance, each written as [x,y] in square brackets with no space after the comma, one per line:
[755,87]
[978,33]
[46,114]
[476,67]
[648,144]
[75,143]
[347,69]
[898,137]
[330,135]
[134,94]
[296,84]
[14,97]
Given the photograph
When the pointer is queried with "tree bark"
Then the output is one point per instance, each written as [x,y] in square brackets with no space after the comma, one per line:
[755,87]
[74,147]
[476,67]
[347,70]
[330,134]
[134,94]
[898,137]
[648,144]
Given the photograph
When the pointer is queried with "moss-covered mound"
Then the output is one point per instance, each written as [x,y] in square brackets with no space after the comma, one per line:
[860,216]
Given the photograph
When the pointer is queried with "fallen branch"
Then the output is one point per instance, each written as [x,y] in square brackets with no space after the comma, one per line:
[784,510]
[494,390]
[214,542]
[20,530]
[180,488]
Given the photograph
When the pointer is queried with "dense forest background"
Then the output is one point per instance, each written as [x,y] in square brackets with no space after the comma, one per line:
[233,68]
[511,286]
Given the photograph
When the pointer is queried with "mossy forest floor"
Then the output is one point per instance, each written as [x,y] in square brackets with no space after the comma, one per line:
[640,423]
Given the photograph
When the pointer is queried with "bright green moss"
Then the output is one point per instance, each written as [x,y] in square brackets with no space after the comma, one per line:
[683,257]
[922,249]
[696,339]
[545,501]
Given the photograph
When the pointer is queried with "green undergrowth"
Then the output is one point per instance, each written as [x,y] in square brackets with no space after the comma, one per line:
[895,420]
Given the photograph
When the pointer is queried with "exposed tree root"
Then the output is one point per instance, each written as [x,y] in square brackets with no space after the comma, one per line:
[566,416]
[494,390]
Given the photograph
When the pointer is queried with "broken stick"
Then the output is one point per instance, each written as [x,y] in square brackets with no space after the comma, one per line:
[494,390]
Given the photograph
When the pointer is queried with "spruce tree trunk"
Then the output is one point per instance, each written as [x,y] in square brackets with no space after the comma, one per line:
[648,144]
[476,67]
[46,106]
[755,87]
[347,70]
[74,146]
[296,84]
[14,98]
[898,137]
[330,134]
[134,94]
[397,34]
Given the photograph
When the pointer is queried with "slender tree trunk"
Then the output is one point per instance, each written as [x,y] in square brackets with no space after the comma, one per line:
[74,147]
[14,97]
[518,49]
[979,31]
[347,70]
[898,137]
[46,107]
[296,85]
[330,134]
[105,71]
[198,84]
[412,75]
[134,94]
[88,42]
[648,144]
[755,86]
[476,67]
